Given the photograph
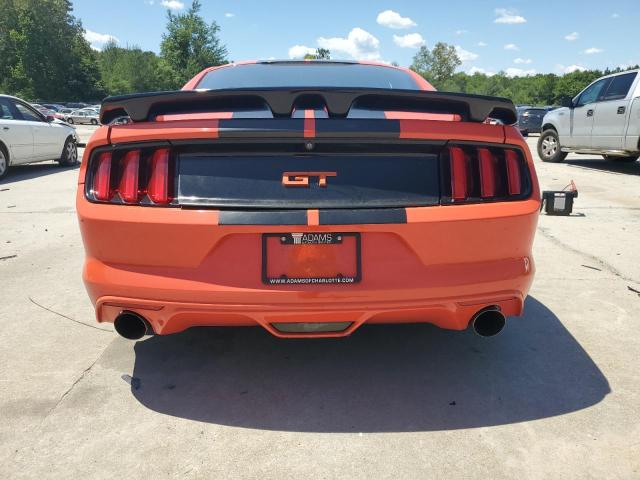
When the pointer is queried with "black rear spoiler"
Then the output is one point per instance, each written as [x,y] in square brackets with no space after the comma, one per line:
[145,106]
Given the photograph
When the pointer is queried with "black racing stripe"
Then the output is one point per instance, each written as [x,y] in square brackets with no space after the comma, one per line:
[351,127]
[260,127]
[269,217]
[362,216]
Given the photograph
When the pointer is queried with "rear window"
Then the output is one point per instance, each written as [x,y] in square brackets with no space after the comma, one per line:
[306,74]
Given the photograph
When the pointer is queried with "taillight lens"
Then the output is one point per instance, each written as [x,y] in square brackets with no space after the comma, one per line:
[135,177]
[158,187]
[102,178]
[128,187]
[483,173]
[459,168]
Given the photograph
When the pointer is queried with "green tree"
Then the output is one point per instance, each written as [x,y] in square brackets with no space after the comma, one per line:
[436,65]
[127,70]
[43,53]
[190,45]
[321,54]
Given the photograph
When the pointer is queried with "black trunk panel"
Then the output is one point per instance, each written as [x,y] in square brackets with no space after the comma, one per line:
[256,181]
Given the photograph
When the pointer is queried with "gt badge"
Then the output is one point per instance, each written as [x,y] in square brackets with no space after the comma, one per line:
[301,179]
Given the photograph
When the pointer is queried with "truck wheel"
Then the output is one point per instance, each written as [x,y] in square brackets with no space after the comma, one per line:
[549,147]
[613,158]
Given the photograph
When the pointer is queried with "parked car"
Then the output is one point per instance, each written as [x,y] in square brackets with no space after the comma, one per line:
[62,113]
[530,120]
[603,119]
[26,136]
[82,116]
[311,198]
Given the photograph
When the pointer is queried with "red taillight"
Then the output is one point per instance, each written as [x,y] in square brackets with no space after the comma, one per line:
[158,187]
[480,174]
[128,188]
[458,173]
[137,177]
[513,172]
[102,178]
[487,173]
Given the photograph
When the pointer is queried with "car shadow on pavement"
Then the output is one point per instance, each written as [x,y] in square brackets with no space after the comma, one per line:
[599,163]
[18,173]
[381,379]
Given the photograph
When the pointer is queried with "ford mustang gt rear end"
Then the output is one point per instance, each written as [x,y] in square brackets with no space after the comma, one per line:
[308,198]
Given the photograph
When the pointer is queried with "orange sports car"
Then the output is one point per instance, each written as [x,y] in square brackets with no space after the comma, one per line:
[308,198]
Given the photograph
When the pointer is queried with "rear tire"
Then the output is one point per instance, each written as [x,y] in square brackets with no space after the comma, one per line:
[70,121]
[69,155]
[549,147]
[4,162]
[613,158]
[94,122]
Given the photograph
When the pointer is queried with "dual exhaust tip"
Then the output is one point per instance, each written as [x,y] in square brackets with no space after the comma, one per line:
[132,326]
[485,323]
[488,322]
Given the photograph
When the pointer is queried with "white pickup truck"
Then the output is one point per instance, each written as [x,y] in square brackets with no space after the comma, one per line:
[603,119]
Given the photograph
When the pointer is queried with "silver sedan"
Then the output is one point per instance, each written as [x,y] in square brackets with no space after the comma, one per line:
[82,116]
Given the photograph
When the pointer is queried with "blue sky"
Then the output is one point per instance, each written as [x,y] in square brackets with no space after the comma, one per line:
[518,37]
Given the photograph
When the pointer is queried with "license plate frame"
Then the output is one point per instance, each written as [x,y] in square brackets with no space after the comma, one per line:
[337,239]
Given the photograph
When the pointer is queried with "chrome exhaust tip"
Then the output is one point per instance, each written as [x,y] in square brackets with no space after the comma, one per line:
[488,322]
[132,326]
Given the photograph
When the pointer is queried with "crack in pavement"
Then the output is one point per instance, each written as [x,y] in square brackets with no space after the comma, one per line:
[606,266]
[66,316]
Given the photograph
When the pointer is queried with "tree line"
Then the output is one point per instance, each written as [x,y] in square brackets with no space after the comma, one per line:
[44,56]
[438,66]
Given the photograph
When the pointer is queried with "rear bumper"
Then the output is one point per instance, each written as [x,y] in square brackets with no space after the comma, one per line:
[172,317]
[179,268]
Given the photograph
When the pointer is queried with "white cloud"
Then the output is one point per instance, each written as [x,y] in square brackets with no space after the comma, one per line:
[392,19]
[615,15]
[474,70]
[483,44]
[149,2]
[511,46]
[523,61]
[509,17]
[465,55]
[359,44]
[172,4]
[461,32]
[97,40]
[519,72]
[410,40]
[299,51]
[573,68]
[229,15]
[572,36]
[592,50]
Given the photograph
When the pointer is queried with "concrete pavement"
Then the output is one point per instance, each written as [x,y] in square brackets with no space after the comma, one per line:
[557,395]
